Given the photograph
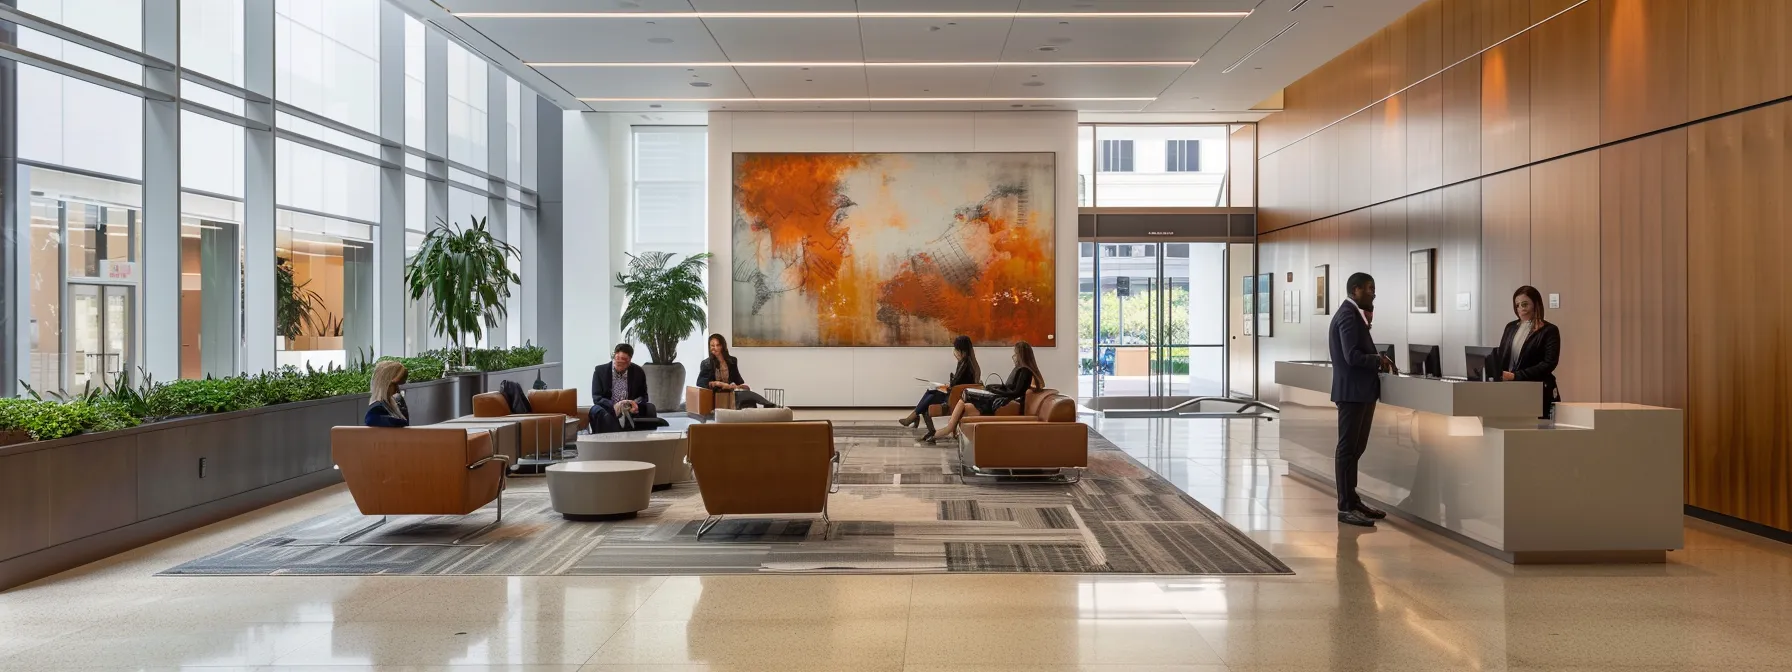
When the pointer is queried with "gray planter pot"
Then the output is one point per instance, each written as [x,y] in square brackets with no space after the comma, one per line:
[665,386]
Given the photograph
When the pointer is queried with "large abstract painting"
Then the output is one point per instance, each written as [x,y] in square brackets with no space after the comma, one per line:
[894,249]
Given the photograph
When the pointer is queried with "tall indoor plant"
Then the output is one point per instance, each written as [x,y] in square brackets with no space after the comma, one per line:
[665,306]
[295,306]
[464,274]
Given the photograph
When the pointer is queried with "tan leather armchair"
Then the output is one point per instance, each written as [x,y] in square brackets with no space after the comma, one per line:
[433,470]
[953,396]
[759,468]
[565,402]
[704,401]
[537,432]
[1045,438]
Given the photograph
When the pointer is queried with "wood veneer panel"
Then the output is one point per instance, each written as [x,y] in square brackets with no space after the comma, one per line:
[1388,137]
[1543,9]
[1642,62]
[1500,19]
[1425,230]
[1462,34]
[1506,105]
[1565,261]
[1356,161]
[1388,71]
[1565,83]
[1325,171]
[1505,245]
[1297,169]
[1739,289]
[1425,135]
[1460,272]
[1389,243]
[1642,264]
[1462,121]
[1739,54]
[1272,205]
[1424,41]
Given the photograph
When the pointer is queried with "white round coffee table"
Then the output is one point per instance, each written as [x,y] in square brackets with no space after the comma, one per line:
[666,451]
[600,490]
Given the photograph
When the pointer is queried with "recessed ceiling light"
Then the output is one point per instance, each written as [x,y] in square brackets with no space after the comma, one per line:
[852,15]
[656,106]
[1048,48]
[701,85]
[859,64]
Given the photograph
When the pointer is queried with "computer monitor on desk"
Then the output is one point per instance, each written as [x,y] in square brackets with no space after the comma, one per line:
[1423,361]
[1386,350]
[1477,359]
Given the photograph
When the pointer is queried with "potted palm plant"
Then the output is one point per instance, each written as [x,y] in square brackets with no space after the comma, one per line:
[665,306]
[295,306]
[465,275]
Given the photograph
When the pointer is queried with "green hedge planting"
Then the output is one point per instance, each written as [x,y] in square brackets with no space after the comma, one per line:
[121,404]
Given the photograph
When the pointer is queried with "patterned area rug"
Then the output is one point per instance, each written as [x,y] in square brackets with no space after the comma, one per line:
[902,508]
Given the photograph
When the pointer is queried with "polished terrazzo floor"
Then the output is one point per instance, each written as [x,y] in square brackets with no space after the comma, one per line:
[1391,599]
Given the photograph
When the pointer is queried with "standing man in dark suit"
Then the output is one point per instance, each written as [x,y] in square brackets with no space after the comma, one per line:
[1356,386]
[619,394]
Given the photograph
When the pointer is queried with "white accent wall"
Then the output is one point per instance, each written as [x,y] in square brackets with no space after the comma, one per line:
[590,312]
[878,377]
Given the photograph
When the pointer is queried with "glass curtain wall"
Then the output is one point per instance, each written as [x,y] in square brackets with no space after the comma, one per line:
[129,205]
[669,178]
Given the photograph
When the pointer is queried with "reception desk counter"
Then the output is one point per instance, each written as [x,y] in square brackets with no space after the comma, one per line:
[1600,484]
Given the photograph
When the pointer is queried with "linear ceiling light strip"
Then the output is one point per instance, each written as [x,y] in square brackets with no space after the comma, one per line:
[852,15]
[852,64]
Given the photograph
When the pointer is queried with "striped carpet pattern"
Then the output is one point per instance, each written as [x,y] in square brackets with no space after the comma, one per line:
[902,508]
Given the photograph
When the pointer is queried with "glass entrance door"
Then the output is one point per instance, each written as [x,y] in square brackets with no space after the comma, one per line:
[99,334]
[1155,316]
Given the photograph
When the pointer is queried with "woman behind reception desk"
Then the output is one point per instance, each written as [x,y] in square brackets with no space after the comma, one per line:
[1531,347]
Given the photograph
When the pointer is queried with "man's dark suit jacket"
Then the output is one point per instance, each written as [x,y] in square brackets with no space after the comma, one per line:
[605,375]
[1356,366]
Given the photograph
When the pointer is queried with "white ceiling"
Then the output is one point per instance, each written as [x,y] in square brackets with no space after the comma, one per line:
[1325,28]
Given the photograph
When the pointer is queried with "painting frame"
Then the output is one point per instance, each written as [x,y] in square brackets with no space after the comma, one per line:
[1265,325]
[1322,289]
[1422,272]
[961,208]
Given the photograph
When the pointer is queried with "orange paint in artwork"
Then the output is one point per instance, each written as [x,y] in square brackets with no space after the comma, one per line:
[793,198]
[1012,299]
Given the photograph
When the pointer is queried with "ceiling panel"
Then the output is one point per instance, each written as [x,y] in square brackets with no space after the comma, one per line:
[932,40]
[1113,39]
[830,40]
[906,82]
[1090,105]
[775,5]
[649,82]
[1138,5]
[628,40]
[1033,81]
[673,107]
[799,83]
[938,5]
[566,5]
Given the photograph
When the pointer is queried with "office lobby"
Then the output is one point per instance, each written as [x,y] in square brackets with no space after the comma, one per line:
[264,410]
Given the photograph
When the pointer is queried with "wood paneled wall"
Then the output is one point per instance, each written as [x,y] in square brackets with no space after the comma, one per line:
[1632,156]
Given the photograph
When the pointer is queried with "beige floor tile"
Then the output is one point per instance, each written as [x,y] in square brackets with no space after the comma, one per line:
[451,643]
[1647,641]
[415,668]
[529,598]
[1039,596]
[842,642]
[1248,599]
[778,598]
[1065,668]
[886,666]
[1058,641]
[174,645]
[1362,641]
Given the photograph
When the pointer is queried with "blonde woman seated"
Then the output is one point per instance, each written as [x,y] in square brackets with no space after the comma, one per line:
[386,407]
[1024,378]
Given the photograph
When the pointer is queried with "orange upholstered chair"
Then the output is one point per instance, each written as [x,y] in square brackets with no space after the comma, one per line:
[1046,438]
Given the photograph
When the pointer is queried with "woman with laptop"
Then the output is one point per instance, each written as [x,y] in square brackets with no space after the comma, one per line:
[966,373]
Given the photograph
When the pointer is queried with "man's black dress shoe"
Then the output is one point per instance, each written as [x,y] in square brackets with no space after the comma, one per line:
[1369,511]
[1354,518]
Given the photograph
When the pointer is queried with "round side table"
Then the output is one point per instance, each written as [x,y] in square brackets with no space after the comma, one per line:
[600,490]
[666,451]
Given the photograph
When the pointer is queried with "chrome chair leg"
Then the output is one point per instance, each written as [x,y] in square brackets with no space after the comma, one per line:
[357,533]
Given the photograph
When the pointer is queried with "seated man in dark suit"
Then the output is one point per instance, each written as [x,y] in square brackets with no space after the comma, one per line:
[619,395]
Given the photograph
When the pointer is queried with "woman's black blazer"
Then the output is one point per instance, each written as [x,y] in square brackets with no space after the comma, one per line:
[1537,359]
[706,372]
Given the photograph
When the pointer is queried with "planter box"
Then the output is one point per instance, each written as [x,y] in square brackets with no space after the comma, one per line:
[71,501]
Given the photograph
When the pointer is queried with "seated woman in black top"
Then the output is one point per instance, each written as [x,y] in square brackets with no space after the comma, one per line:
[966,373]
[386,408]
[1024,378]
[721,372]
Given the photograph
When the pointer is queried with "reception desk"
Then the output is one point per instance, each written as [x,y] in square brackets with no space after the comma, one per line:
[1471,460]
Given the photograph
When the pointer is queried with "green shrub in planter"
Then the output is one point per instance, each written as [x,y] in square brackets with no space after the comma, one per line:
[197,397]
[47,420]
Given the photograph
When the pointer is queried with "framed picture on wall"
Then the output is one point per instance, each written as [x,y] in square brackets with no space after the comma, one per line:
[1322,289]
[1424,280]
[1247,300]
[1264,324]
